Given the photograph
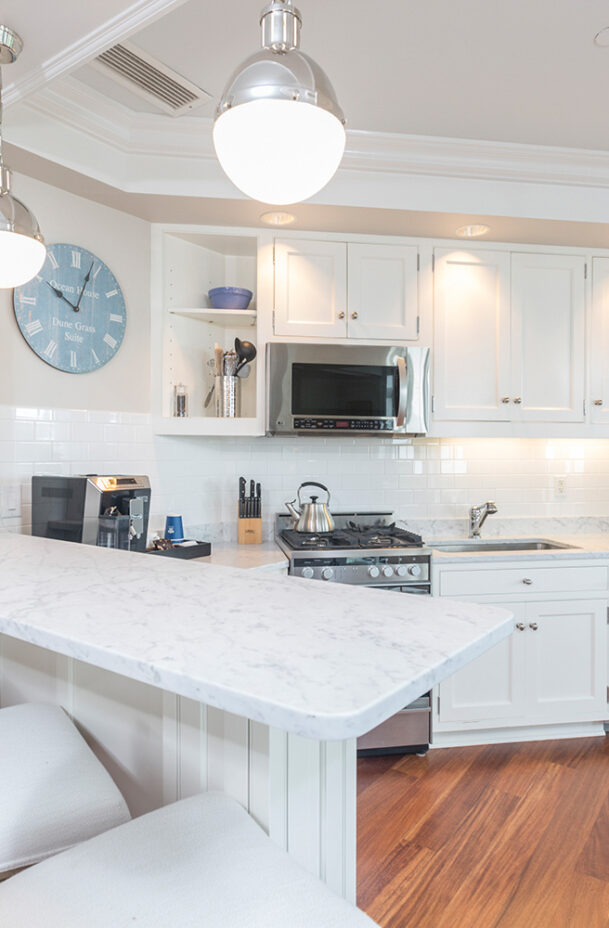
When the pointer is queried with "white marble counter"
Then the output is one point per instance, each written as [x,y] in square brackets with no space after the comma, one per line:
[321,660]
[583,546]
[266,556]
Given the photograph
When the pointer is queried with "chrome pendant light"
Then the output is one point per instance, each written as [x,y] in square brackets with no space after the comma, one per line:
[279,132]
[22,248]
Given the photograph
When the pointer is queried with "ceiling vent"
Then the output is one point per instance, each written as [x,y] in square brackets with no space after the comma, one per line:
[150,79]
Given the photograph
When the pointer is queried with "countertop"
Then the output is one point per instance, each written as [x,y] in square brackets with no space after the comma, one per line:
[266,556]
[584,546]
[327,661]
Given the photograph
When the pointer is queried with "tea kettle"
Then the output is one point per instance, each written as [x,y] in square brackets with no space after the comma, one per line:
[313,516]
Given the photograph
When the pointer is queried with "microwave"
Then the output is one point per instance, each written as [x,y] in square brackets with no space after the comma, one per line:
[340,389]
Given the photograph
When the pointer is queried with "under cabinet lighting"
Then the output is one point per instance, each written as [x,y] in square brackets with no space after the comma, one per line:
[277,218]
[472,231]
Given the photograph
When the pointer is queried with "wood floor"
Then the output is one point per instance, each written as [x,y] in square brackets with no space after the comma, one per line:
[500,836]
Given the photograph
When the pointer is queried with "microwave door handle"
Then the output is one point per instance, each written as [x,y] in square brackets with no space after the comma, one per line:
[402,392]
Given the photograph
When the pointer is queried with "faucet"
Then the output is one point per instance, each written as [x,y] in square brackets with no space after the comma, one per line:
[477,517]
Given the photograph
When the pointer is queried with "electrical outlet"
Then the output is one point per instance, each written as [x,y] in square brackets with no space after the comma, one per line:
[10,501]
[560,486]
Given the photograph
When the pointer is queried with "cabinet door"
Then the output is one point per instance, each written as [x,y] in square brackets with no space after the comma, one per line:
[566,657]
[599,342]
[311,288]
[548,324]
[471,341]
[383,292]
[492,686]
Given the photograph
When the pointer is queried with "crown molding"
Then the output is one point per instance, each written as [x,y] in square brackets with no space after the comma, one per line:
[135,17]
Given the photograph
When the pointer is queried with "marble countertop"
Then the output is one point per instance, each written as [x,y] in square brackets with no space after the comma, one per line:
[323,660]
[583,546]
[266,556]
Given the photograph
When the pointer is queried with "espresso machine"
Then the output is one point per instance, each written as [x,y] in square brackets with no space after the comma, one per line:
[109,511]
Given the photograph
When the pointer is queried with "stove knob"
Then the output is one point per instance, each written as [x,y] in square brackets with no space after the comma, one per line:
[373,572]
[401,571]
[308,572]
[387,571]
[327,573]
[414,570]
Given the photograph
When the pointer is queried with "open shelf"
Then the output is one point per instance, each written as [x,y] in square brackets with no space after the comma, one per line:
[207,425]
[228,318]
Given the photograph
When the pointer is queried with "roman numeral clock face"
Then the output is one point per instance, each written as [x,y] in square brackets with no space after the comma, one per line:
[72,314]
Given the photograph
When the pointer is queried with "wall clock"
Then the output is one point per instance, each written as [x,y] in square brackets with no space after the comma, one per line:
[72,314]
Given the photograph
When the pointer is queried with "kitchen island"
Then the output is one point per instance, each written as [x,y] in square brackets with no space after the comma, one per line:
[186,678]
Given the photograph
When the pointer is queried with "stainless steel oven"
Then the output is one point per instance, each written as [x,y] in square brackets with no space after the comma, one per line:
[339,389]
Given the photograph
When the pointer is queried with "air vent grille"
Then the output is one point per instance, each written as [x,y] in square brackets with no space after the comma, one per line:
[151,79]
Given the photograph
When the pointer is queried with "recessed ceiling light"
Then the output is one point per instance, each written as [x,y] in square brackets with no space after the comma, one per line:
[472,231]
[277,218]
[602,38]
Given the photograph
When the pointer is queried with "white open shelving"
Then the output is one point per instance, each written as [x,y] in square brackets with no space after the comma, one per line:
[227,318]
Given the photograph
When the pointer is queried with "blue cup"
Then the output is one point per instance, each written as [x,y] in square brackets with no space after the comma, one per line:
[174,530]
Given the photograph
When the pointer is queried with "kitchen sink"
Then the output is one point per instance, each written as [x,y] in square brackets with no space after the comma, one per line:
[473,546]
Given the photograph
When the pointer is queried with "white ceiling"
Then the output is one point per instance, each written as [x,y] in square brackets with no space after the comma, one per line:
[501,70]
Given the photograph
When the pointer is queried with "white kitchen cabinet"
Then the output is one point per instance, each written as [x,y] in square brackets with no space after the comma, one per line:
[547,379]
[338,290]
[471,335]
[382,292]
[599,342]
[310,288]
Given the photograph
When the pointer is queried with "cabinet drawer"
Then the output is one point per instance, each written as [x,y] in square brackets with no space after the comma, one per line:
[526,580]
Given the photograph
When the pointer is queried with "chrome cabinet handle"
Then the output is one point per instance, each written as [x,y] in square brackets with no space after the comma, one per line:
[527,581]
[505,399]
[354,315]
[534,626]
[520,626]
[598,402]
[518,400]
[341,315]
[403,391]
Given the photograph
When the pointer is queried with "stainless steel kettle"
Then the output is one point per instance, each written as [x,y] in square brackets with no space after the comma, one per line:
[313,516]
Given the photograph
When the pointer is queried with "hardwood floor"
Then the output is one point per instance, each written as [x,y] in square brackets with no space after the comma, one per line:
[499,836]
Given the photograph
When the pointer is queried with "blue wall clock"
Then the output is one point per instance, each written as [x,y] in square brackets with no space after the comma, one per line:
[72,314]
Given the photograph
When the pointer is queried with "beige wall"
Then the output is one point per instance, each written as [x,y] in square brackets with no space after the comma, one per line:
[123,242]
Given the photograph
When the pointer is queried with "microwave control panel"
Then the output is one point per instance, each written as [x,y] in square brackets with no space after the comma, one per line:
[346,425]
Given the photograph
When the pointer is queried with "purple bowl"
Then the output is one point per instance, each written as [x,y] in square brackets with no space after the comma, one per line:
[230,298]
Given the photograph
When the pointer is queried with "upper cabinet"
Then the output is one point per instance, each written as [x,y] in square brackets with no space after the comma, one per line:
[548,326]
[335,290]
[509,336]
[599,342]
[472,332]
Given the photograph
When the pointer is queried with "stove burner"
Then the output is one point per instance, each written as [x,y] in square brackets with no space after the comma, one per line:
[380,535]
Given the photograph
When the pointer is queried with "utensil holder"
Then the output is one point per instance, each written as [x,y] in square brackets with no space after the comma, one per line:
[228,396]
[249,531]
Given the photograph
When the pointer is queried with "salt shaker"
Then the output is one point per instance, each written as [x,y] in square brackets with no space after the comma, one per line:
[181,401]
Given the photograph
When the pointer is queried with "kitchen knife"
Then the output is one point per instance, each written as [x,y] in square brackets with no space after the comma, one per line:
[252,501]
[241,497]
[258,500]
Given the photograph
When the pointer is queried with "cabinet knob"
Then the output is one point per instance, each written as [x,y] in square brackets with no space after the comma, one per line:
[518,400]
[354,315]
[341,315]
[505,399]
[534,626]
[527,581]
[520,626]
[598,402]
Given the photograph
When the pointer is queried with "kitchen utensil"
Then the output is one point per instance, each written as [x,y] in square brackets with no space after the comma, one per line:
[241,497]
[230,297]
[244,371]
[231,362]
[174,529]
[246,352]
[219,356]
[228,396]
[209,396]
[258,500]
[313,516]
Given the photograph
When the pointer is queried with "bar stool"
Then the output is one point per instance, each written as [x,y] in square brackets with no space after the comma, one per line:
[54,793]
[198,863]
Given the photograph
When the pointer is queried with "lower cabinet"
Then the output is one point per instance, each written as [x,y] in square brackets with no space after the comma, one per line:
[552,670]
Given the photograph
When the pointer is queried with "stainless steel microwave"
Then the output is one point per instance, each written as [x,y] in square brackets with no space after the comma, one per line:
[360,389]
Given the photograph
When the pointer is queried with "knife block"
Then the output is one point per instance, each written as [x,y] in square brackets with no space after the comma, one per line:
[249,531]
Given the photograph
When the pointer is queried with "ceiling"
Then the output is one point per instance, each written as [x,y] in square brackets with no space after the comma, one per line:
[515,71]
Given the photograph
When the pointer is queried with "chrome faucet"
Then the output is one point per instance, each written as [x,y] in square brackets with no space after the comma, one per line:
[477,517]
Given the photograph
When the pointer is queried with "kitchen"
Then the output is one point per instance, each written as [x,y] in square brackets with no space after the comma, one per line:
[515,323]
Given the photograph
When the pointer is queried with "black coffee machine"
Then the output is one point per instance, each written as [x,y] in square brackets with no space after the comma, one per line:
[109,511]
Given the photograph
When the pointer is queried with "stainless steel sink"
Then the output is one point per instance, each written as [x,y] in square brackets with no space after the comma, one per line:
[473,546]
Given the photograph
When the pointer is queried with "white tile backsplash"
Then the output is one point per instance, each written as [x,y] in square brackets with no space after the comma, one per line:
[420,479]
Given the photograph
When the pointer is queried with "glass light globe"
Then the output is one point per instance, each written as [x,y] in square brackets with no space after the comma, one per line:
[22,249]
[279,151]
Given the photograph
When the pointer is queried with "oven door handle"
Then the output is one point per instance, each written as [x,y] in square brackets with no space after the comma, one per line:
[402,392]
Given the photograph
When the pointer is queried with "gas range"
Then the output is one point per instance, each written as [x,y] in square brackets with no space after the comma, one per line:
[365,548]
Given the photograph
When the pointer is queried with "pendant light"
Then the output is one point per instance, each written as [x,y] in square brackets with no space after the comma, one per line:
[279,132]
[22,248]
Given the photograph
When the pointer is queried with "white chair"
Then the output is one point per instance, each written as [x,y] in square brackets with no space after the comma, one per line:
[54,792]
[199,863]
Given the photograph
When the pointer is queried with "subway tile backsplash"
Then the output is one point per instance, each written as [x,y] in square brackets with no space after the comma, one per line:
[430,483]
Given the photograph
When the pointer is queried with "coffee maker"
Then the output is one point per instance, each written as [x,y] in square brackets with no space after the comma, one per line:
[109,511]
